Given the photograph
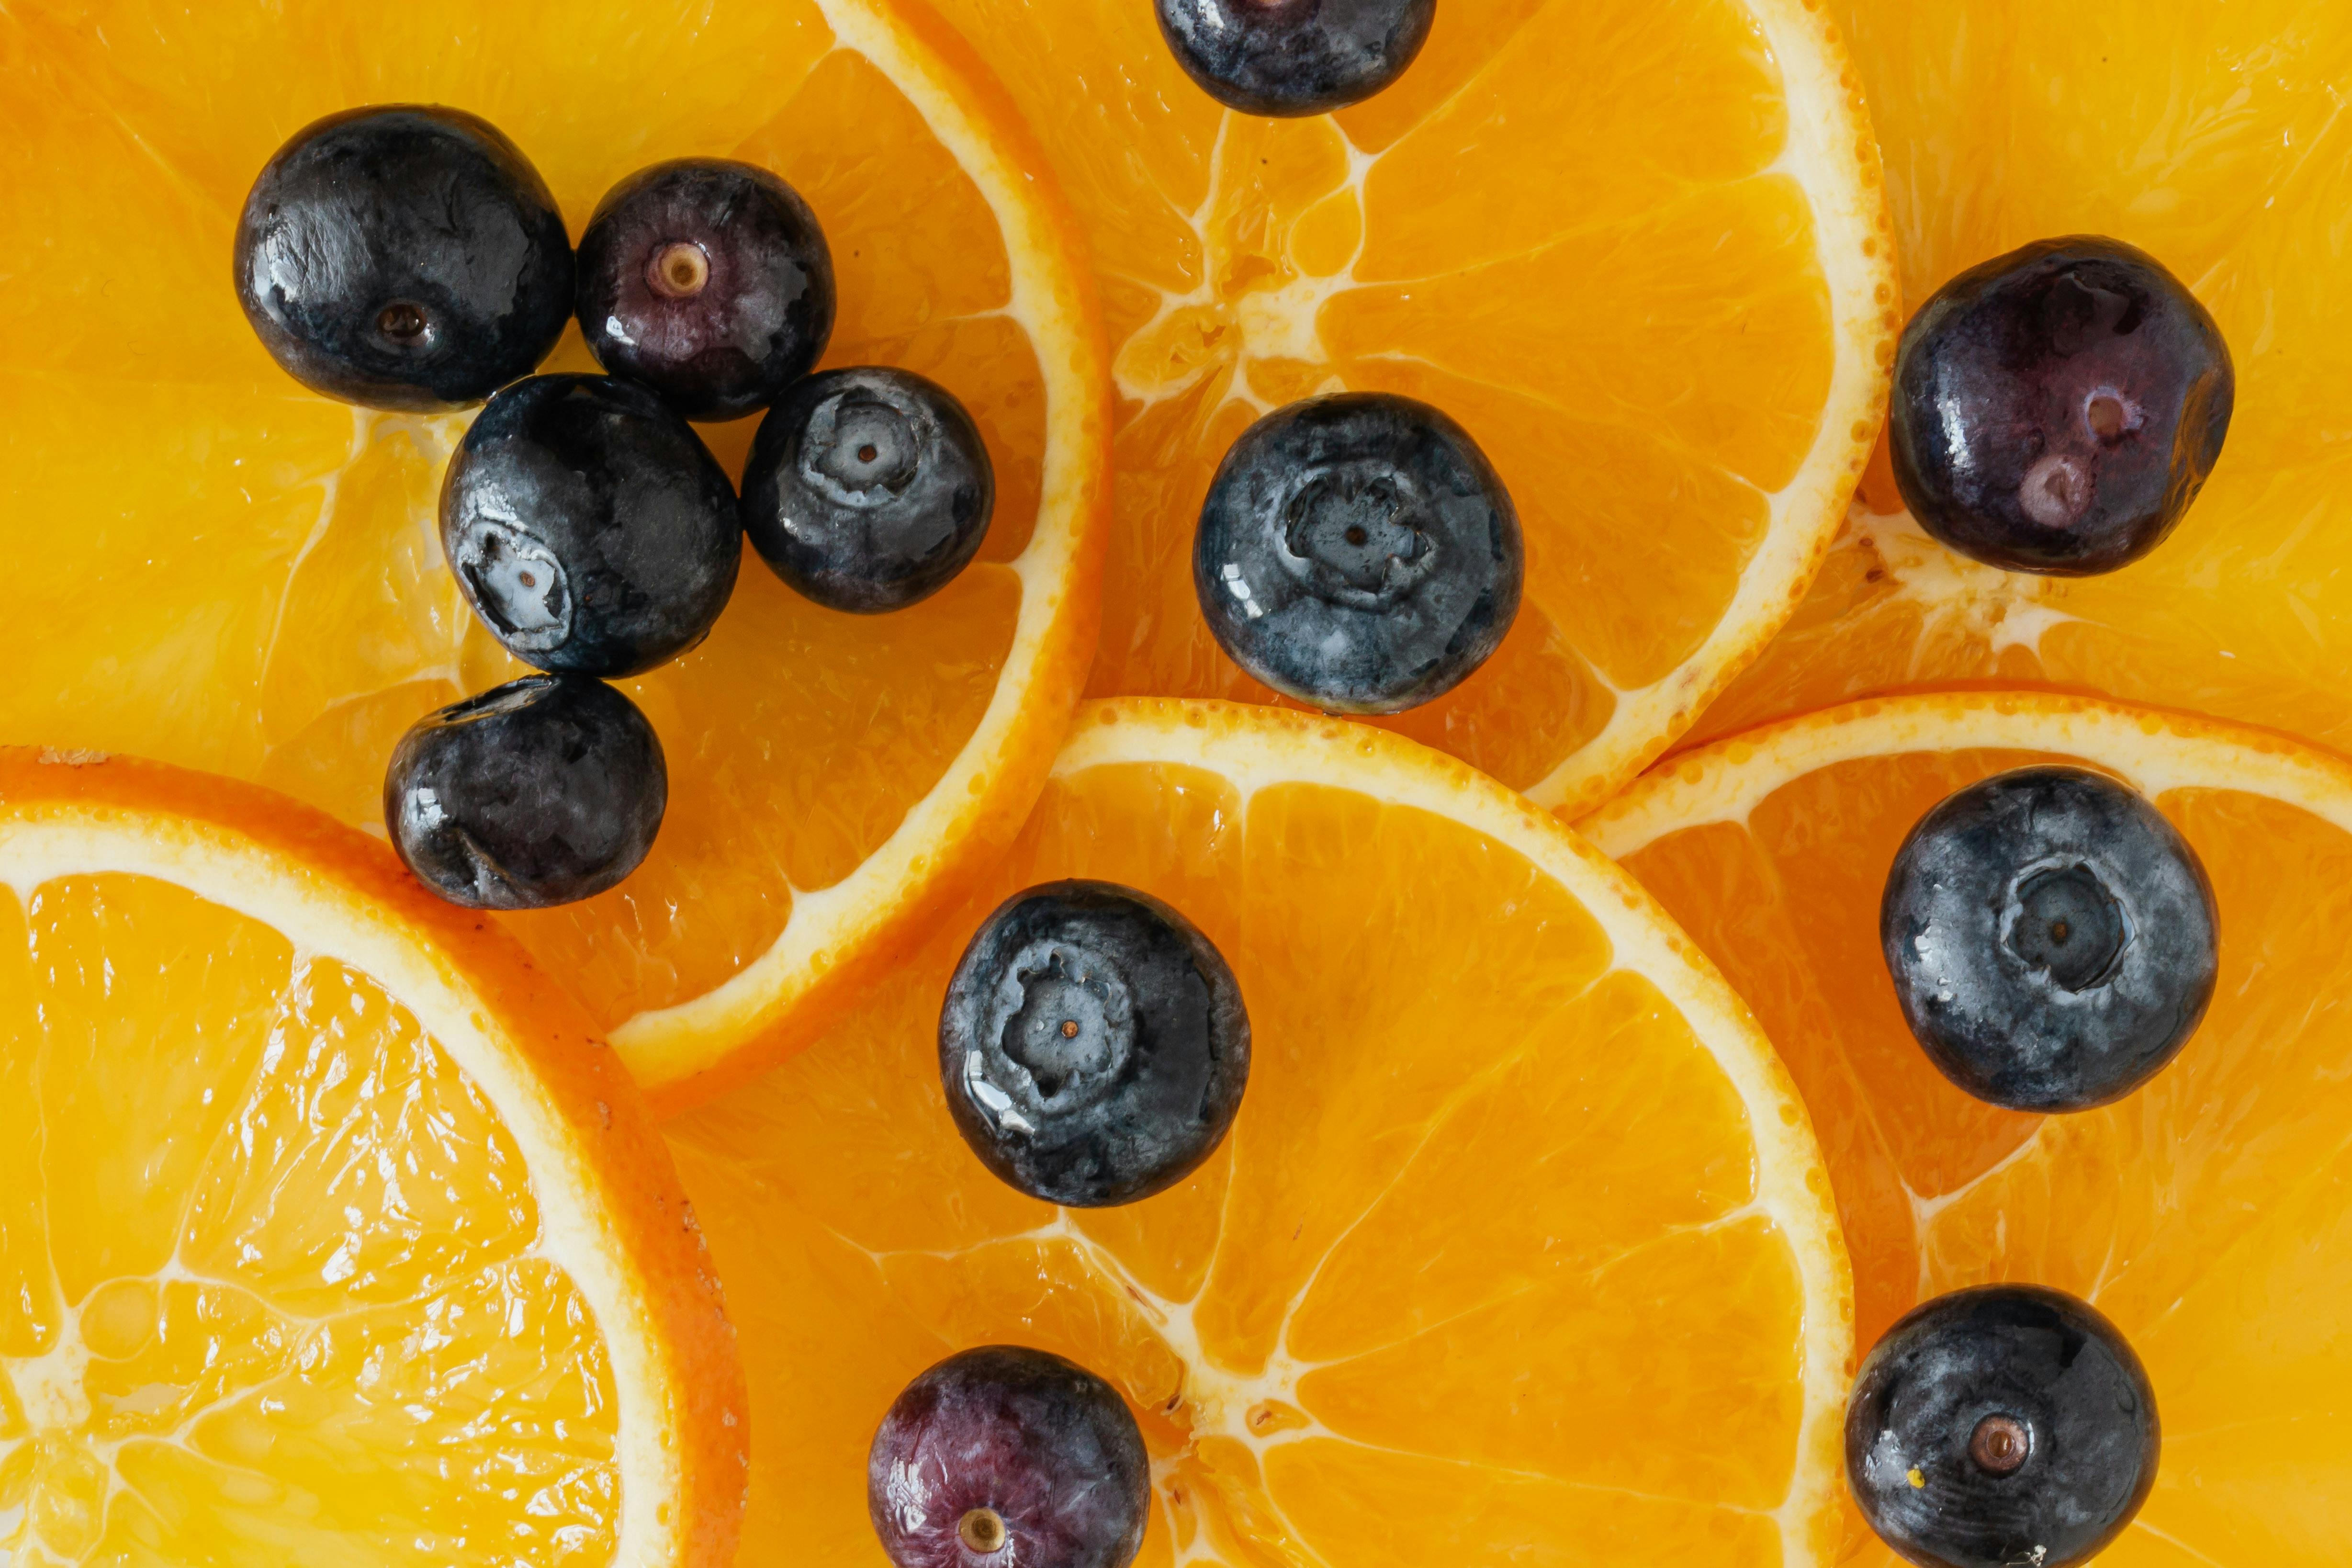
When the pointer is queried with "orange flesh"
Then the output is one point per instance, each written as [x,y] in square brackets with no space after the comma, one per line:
[2215,138]
[268,1293]
[1481,1172]
[232,573]
[1607,273]
[2205,1215]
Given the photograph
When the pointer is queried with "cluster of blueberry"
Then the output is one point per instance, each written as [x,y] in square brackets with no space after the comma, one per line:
[411,259]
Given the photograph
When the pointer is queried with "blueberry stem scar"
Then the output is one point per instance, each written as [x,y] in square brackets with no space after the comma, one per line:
[679,270]
[983,1529]
[1999,1444]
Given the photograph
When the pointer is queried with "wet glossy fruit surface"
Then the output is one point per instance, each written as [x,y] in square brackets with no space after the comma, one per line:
[1356,551]
[1294,56]
[2057,409]
[544,791]
[1999,1426]
[2054,941]
[709,280]
[1094,1045]
[404,257]
[589,527]
[868,488]
[1007,1455]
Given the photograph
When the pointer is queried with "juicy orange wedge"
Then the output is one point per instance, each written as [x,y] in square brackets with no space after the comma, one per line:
[2209,1214]
[328,1234]
[1639,250]
[220,569]
[1519,1245]
[2215,137]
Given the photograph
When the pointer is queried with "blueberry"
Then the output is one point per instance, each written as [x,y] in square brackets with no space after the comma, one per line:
[867,488]
[2001,1426]
[589,527]
[540,792]
[404,256]
[1294,56]
[1358,552]
[2052,939]
[707,280]
[1005,1455]
[1093,1044]
[2057,409]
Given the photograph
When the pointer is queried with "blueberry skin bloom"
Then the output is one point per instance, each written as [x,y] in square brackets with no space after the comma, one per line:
[2057,409]
[543,791]
[2052,939]
[1358,552]
[1093,1045]
[1011,1455]
[589,527]
[707,280]
[2003,1425]
[868,488]
[404,257]
[1294,56]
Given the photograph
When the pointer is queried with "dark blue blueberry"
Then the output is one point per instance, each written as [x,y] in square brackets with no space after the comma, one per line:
[2052,939]
[1093,1044]
[867,488]
[1011,1456]
[404,256]
[590,528]
[1358,552]
[707,280]
[540,792]
[2001,1425]
[2056,409]
[1294,57]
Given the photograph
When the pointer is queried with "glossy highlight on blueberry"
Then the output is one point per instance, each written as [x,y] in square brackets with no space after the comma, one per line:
[1288,58]
[544,791]
[2054,941]
[707,280]
[868,488]
[1093,1044]
[2003,1425]
[1358,552]
[1008,1456]
[2057,409]
[405,256]
[589,527]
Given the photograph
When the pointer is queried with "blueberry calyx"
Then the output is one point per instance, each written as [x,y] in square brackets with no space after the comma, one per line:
[2052,940]
[2002,1425]
[2057,409]
[1356,551]
[1093,1044]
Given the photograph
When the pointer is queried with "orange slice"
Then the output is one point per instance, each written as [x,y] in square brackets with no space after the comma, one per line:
[1639,250]
[2209,1214]
[218,568]
[1518,1249]
[2215,137]
[328,1232]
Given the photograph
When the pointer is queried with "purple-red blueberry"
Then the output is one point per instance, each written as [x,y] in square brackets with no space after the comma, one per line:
[707,280]
[2057,409]
[1006,1456]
